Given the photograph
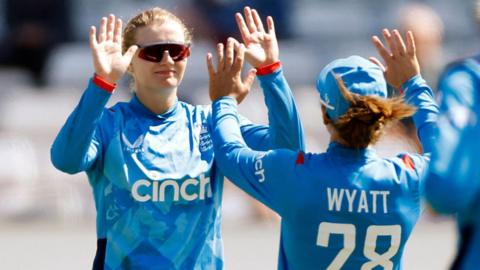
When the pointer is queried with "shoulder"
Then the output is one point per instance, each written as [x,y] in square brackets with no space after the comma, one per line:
[461,71]
[410,164]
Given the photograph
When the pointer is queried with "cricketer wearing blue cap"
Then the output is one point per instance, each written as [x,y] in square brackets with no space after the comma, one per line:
[345,208]
[453,184]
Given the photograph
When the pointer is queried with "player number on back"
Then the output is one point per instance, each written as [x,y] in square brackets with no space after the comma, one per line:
[349,234]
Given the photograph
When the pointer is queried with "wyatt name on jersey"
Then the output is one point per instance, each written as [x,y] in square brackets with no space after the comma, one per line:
[359,201]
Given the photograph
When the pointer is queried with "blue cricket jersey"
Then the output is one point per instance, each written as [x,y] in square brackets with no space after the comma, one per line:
[453,184]
[156,187]
[342,209]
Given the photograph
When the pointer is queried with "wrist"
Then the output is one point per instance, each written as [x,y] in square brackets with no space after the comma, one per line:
[268,68]
[411,81]
[227,99]
[103,83]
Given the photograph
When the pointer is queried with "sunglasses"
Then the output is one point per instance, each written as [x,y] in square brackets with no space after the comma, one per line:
[154,52]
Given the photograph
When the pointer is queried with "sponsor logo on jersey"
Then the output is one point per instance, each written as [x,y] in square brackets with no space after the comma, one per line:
[134,147]
[199,188]
[259,170]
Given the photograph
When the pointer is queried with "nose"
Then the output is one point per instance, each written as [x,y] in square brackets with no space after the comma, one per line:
[166,58]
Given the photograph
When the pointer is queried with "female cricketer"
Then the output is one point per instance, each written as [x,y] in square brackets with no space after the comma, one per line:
[346,208]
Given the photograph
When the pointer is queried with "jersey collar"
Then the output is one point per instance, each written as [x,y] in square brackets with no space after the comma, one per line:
[337,149]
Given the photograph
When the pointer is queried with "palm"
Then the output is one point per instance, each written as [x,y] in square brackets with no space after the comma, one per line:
[261,46]
[108,60]
[401,62]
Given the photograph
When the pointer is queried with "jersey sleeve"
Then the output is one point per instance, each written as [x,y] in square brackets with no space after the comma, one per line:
[420,95]
[78,144]
[453,180]
[285,129]
[263,175]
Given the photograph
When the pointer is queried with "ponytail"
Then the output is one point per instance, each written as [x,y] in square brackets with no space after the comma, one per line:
[367,117]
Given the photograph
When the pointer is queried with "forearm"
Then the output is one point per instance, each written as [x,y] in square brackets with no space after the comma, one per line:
[285,126]
[232,155]
[74,148]
[419,95]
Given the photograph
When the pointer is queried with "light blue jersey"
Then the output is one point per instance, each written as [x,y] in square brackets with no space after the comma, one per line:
[342,209]
[453,185]
[156,187]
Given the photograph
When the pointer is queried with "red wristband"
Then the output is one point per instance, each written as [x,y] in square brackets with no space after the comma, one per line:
[103,84]
[268,69]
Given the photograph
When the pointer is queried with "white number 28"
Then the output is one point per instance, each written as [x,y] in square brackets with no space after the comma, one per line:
[349,234]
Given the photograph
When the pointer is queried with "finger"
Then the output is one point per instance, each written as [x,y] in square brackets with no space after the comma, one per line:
[229,54]
[377,62]
[398,40]
[211,70]
[411,48]
[130,53]
[384,53]
[103,30]
[235,42]
[249,18]
[93,37]
[239,58]
[248,82]
[390,43]
[110,27]
[242,27]
[220,57]
[258,21]
[270,26]
[117,36]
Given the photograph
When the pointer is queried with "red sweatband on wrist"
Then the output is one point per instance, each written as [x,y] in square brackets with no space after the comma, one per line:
[268,69]
[103,84]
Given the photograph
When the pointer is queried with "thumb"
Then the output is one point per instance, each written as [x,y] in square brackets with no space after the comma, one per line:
[130,53]
[377,62]
[250,78]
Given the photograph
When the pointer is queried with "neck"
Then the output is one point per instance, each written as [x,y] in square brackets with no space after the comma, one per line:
[334,137]
[338,140]
[157,101]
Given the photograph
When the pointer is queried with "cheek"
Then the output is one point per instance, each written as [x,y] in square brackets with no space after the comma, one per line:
[180,67]
[138,69]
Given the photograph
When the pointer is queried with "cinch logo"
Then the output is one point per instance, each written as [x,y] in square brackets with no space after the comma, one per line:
[188,190]
[259,171]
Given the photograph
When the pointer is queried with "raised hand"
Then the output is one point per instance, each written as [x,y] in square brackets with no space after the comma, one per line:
[401,62]
[261,46]
[108,60]
[227,79]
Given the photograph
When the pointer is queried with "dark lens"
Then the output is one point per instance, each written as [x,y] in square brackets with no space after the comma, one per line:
[154,53]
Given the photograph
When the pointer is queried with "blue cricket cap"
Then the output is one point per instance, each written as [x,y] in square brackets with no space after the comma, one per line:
[359,75]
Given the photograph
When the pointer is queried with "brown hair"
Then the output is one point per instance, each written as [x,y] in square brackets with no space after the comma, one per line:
[365,120]
[148,17]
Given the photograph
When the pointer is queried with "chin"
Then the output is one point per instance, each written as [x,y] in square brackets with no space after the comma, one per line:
[169,83]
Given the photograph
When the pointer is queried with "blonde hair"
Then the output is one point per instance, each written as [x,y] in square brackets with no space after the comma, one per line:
[148,17]
[366,119]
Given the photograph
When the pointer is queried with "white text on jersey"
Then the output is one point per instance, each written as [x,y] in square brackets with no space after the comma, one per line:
[360,201]
[259,170]
[157,190]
